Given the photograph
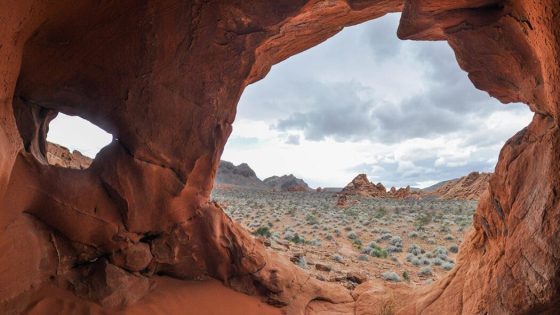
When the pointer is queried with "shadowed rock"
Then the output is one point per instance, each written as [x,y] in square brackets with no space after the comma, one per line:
[164,78]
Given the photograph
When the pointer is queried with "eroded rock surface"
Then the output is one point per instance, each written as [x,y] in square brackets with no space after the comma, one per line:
[60,156]
[361,186]
[467,187]
[164,78]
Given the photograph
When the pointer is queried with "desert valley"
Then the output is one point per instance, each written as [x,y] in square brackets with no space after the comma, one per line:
[347,235]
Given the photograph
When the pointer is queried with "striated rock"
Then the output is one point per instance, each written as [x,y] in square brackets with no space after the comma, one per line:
[164,78]
[286,183]
[471,187]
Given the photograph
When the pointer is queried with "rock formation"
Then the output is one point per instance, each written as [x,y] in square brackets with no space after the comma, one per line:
[241,175]
[286,183]
[60,156]
[164,78]
[471,187]
[361,186]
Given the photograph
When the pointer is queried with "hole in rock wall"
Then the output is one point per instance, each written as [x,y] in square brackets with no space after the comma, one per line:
[401,112]
[73,142]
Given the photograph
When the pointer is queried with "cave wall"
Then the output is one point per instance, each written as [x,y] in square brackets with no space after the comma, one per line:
[164,78]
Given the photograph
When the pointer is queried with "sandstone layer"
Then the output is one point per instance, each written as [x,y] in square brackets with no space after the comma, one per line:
[164,78]
[467,187]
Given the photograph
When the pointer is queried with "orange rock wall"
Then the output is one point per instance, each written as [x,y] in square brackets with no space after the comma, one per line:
[164,78]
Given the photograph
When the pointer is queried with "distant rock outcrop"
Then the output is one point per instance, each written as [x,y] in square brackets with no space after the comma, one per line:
[60,156]
[468,187]
[286,183]
[361,186]
[240,175]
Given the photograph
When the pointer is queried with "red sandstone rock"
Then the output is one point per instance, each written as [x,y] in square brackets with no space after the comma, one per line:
[60,156]
[164,78]
[471,186]
[361,186]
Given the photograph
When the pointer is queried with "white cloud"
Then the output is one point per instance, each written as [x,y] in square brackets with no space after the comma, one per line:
[79,134]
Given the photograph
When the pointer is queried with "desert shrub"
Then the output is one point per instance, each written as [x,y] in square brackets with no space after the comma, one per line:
[415,261]
[405,275]
[396,241]
[437,261]
[422,220]
[447,266]
[425,271]
[409,257]
[296,238]
[393,249]
[288,235]
[375,251]
[454,249]
[315,242]
[301,262]
[381,212]
[352,235]
[413,234]
[391,276]
[385,236]
[363,257]
[338,258]
[415,250]
[448,237]
[311,219]
[440,251]
[263,231]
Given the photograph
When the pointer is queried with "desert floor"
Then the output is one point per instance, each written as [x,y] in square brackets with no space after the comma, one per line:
[413,241]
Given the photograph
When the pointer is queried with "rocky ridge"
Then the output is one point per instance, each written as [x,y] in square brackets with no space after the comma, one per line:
[469,187]
[286,183]
[241,175]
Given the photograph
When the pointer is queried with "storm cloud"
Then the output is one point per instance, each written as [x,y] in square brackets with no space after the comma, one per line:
[365,86]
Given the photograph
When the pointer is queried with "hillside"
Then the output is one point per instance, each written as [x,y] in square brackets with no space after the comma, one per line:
[240,175]
[286,183]
[468,187]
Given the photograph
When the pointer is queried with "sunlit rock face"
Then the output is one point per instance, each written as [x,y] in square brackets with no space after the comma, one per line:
[164,78]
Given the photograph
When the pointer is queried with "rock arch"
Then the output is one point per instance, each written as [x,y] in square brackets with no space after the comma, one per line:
[164,78]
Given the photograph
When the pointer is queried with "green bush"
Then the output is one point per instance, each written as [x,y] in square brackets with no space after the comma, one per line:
[263,231]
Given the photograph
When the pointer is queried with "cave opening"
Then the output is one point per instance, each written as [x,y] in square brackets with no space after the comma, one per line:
[150,71]
[364,102]
[73,142]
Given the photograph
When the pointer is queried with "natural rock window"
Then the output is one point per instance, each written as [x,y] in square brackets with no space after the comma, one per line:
[73,142]
[427,139]
[137,233]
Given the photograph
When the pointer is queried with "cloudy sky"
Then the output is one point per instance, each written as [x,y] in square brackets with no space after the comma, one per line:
[362,102]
